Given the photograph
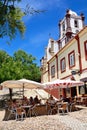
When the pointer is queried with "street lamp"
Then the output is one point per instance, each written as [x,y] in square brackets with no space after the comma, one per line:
[74,72]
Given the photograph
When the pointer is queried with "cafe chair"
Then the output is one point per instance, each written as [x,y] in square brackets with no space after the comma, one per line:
[10,114]
[63,108]
[20,113]
[72,107]
[32,111]
[51,108]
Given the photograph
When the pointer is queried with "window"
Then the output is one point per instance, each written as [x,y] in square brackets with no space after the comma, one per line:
[75,23]
[63,26]
[60,45]
[83,89]
[63,65]
[85,48]
[71,57]
[65,40]
[52,45]
[53,71]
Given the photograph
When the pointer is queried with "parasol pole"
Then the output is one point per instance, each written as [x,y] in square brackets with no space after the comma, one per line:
[10,92]
[23,90]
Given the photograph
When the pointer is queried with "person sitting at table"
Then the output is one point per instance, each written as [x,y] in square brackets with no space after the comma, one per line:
[25,100]
[36,100]
[31,101]
[51,105]
[66,99]
[51,100]
[61,98]
[14,105]
[71,100]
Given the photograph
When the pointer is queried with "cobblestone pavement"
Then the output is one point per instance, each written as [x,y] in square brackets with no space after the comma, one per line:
[76,120]
[73,123]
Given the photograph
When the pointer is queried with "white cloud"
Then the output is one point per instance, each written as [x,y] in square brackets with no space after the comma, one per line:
[46,4]
[42,5]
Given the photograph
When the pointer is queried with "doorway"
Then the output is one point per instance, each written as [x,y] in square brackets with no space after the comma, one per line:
[73,92]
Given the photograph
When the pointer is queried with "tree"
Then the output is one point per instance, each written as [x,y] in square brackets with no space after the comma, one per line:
[29,69]
[20,65]
[10,19]
[11,16]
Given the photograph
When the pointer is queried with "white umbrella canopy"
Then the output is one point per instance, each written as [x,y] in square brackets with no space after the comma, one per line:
[22,83]
[11,84]
[62,84]
[30,84]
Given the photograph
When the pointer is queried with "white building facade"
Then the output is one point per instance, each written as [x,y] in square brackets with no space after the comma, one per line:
[66,58]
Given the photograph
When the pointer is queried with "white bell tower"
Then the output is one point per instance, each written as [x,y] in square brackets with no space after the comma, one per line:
[69,26]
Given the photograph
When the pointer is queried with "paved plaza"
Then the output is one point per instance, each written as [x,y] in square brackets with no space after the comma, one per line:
[76,120]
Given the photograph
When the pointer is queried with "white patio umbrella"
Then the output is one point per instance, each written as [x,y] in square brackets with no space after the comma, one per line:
[62,84]
[22,83]
[57,84]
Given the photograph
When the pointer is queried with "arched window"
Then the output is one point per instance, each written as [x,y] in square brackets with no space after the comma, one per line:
[76,23]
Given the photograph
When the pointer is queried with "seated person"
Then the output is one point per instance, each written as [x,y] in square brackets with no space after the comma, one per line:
[51,100]
[36,100]
[51,105]
[31,101]
[64,99]
[71,100]
[61,98]
[14,105]
[25,100]
[24,97]
[67,99]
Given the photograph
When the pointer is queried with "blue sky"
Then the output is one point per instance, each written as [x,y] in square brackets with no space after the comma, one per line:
[39,26]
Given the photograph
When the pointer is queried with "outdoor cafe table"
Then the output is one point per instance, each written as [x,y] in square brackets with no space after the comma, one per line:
[27,107]
[9,114]
[40,109]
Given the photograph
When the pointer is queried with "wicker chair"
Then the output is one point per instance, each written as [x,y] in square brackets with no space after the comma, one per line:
[63,108]
[9,114]
[20,113]
[32,110]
